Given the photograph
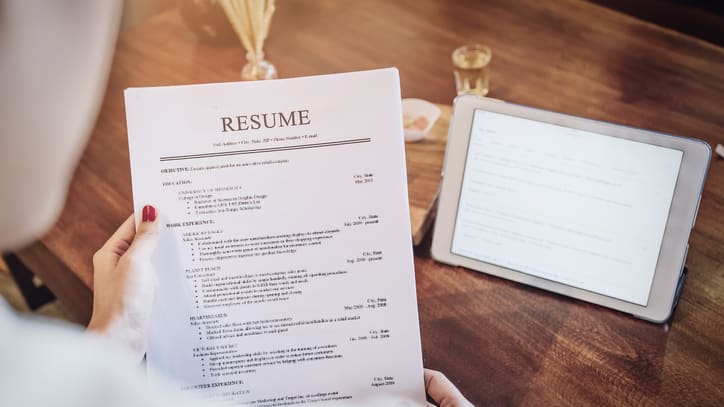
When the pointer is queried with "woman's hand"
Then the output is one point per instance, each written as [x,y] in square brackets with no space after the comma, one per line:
[442,391]
[123,283]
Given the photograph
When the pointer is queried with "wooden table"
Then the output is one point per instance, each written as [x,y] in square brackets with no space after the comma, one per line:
[500,342]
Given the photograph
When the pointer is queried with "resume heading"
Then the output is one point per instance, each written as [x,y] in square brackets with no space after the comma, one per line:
[267,120]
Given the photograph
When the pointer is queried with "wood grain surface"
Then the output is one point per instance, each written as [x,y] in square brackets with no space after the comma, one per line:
[502,343]
[424,167]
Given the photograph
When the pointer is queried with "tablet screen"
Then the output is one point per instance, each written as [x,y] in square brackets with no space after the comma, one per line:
[571,206]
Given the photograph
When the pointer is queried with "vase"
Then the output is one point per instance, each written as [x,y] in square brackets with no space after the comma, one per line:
[257,68]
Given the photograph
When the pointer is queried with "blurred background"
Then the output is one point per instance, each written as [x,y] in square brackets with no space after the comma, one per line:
[699,18]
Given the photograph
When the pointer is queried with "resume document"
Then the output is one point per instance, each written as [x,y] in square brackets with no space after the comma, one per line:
[285,270]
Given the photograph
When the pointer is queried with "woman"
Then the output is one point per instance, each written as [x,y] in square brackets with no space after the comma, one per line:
[55,59]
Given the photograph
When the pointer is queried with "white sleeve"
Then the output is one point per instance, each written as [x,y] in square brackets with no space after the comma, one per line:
[46,363]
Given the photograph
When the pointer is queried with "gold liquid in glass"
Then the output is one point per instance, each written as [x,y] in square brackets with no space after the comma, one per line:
[471,68]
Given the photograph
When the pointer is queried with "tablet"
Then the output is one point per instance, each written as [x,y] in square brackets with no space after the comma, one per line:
[592,210]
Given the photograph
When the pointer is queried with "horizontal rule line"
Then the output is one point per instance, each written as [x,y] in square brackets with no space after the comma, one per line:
[266,150]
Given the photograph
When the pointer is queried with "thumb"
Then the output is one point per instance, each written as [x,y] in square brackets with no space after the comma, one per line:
[147,231]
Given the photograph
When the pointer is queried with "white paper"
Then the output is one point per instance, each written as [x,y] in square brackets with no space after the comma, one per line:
[285,269]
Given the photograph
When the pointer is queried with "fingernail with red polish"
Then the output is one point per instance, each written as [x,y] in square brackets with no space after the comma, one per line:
[149,213]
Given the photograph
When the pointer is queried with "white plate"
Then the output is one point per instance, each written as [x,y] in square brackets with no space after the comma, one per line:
[414,108]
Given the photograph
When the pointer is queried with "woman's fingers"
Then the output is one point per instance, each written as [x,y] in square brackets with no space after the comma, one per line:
[141,240]
[107,256]
[121,239]
[443,391]
[146,236]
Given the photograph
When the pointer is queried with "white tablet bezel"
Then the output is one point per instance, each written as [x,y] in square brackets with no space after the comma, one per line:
[687,193]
